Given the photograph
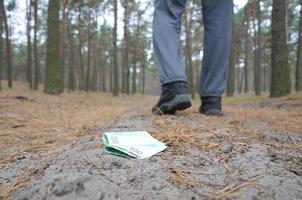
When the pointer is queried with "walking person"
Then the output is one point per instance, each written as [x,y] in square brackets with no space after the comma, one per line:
[217,18]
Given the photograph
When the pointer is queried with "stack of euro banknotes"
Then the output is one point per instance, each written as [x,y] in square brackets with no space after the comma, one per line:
[134,144]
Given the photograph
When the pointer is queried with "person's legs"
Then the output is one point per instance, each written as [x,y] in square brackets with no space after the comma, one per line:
[217,17]
[166,42]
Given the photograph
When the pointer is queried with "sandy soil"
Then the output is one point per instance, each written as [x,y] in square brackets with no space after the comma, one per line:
[253,152]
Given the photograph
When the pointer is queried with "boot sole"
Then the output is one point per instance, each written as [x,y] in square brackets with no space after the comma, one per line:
[178,103]
[212,112]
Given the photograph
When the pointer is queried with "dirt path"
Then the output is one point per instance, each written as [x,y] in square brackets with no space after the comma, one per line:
[250,153]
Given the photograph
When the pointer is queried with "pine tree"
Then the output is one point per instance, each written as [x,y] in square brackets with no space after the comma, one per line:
[280,82]
[232,62]
[298,84]
[257,44]
[115,88]
[29,43]
[52,73]
[8,45]
[36,56]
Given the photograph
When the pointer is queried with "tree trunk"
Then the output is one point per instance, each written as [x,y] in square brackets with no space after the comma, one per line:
[232,63]
[246,52]
[115,61]
[188,23]
[134,77]
[237,71]
[298,84]
[71,62]
[135,56]
[241,80]
[81,61]
[101,69]
[36,56]
[126,68]
[258,51]
[8,46]
[63,43]
[52,73]
[29,44]
[144,73]
[103,72]
[264,79]
[87,82]
[280,83]
[111,76]
[94,84]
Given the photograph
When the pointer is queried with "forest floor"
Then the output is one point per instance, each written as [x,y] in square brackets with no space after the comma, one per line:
[51,148]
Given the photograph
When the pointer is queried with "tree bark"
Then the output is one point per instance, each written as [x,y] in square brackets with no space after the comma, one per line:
[258,51]
[87,82]
[29,43]
[241,80]
[71,62]
[36,53]
[135,56]
[232,63]
[101,68]
[52,73]
[188,23]
[237,71]
[111,75]
[280,82]
[126,68]
[81,61]
[115,56]
[134,78]
[8,46]
[63,43]
[298,84]
[103,72]
[94,84]
[95,76]
[144,73]
[246,51]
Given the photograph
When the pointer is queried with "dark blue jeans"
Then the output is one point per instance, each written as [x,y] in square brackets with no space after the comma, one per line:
[217,17]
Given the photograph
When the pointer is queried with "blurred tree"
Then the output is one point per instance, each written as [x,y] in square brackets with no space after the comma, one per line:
[188,16]
[10,7]
[232,62]
[63,42]
[89,34]
[71,46]
[125,65]
[248,9]
[36,53]
[257,46]
[298,84]
[52,83]
[29,43]
[80,46]
[115,91]
[280,83]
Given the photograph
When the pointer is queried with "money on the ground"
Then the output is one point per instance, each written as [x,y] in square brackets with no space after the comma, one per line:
[134,144]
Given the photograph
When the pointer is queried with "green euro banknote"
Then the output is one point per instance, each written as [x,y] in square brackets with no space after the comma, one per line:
[134,144]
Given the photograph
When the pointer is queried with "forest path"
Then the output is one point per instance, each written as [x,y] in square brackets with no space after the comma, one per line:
[253,152]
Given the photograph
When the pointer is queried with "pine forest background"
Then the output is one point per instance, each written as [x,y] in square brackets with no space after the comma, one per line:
[106,46]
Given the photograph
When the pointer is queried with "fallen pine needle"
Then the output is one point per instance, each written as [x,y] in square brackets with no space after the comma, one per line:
[231,189]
